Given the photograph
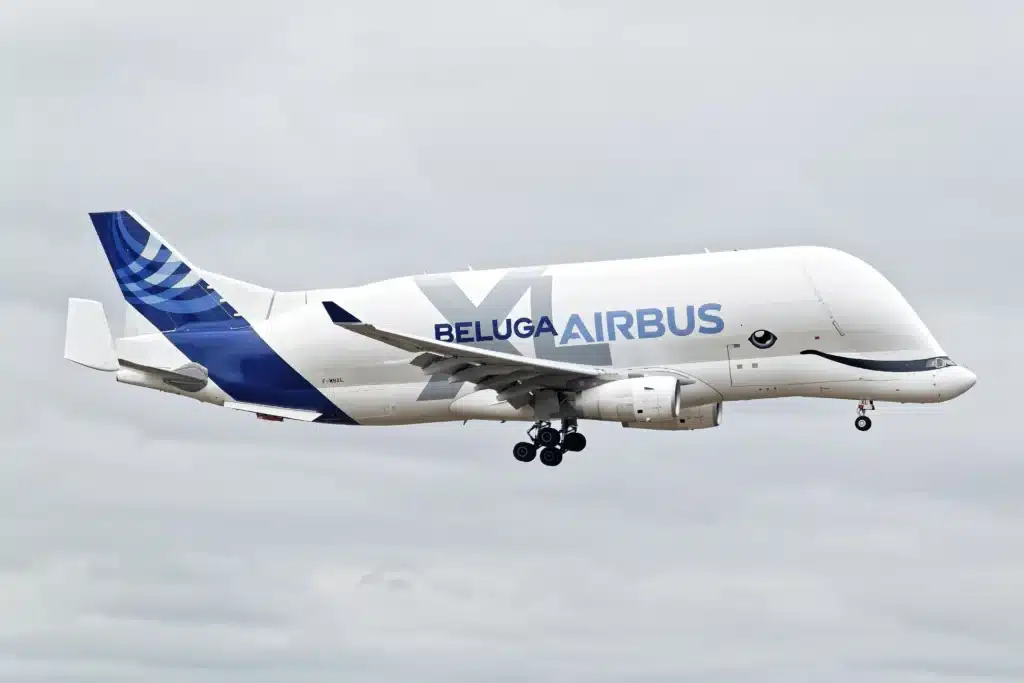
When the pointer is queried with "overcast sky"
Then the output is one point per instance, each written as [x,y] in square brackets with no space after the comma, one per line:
[316,143]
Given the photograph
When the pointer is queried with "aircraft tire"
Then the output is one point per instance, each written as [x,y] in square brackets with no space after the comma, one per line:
[574,441]
[552,457]
[524,451]
[548,436]
[862,423]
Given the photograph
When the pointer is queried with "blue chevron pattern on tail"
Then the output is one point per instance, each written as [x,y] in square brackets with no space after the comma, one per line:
[154,278]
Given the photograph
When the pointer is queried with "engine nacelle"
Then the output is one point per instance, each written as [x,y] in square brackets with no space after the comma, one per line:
[699,417]
[645,400]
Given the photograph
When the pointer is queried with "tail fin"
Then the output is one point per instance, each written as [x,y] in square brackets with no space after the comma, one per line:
[154,278]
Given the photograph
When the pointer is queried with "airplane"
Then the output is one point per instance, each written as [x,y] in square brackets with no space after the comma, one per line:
[657,343]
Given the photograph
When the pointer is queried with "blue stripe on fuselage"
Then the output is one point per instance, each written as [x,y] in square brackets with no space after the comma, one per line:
[242,364]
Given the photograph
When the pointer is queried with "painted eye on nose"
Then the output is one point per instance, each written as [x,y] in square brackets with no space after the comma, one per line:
[763,339]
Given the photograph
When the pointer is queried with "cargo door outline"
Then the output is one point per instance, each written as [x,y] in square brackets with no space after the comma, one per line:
[771,372]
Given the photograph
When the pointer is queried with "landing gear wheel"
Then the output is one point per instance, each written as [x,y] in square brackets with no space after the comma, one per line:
[552,457]
[524,451]
[548,436]
[574,441]
[863,423]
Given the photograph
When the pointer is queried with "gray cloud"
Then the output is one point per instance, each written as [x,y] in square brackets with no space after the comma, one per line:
[317,144]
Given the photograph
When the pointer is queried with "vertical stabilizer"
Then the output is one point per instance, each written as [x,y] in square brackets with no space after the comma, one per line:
[159,283]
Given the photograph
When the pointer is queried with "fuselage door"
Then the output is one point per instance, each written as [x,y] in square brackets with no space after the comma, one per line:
[735,366]
[746,370]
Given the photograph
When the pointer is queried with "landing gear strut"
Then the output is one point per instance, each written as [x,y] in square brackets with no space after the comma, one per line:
[550,442]
[863,422]
[572,440]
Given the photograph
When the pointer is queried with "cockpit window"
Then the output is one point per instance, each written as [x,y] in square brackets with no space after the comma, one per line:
[940,362]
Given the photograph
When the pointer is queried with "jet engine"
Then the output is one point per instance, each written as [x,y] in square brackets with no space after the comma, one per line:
[698,417]
[644,400]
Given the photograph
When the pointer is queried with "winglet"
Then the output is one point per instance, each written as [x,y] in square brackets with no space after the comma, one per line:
[339,316]
[87,340]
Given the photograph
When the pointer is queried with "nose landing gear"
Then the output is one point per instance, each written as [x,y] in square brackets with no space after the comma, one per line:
[552,443]
[863,422]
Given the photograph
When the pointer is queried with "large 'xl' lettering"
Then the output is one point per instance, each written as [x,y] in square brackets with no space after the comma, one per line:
[451,302]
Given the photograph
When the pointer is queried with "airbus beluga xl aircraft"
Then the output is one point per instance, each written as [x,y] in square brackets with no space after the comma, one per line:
[652,343]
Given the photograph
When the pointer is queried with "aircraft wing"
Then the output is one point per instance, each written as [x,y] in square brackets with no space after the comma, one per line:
[512,376]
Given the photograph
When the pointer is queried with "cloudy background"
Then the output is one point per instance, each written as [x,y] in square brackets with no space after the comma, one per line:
[308,144]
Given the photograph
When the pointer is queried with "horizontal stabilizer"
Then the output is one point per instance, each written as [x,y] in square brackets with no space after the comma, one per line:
[274,411]
[190,377]
[87,339]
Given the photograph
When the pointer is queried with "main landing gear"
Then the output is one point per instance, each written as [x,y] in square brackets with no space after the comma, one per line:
[863,422]
[551,443]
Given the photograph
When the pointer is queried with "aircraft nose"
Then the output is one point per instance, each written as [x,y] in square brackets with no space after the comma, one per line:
[959,381]
[970,379]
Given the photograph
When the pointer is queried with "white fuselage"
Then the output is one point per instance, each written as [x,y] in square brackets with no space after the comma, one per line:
[823,311]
